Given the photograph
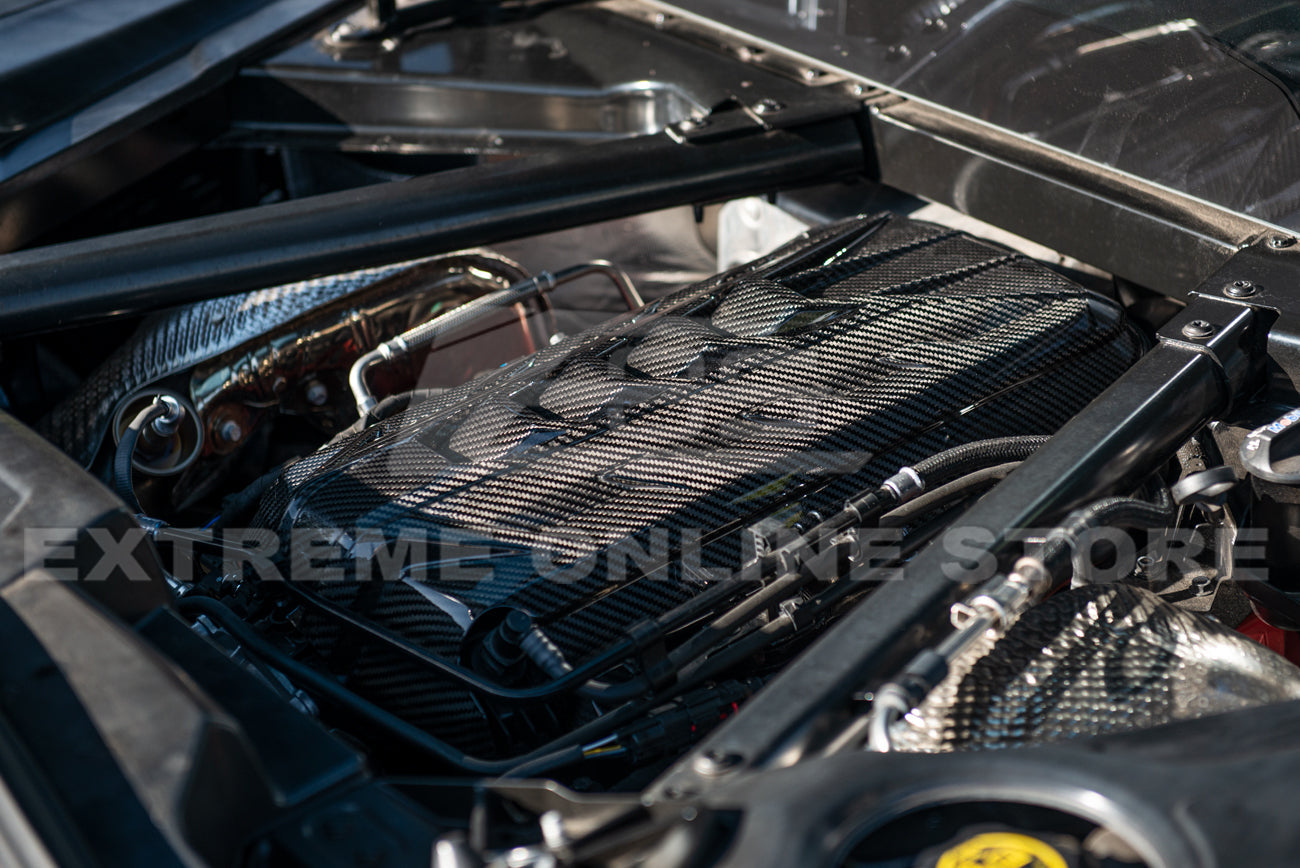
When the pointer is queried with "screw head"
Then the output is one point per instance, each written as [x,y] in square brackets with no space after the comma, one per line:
[1240,289]
[1198,328]
[717,762]
[767,107]
[1280,242]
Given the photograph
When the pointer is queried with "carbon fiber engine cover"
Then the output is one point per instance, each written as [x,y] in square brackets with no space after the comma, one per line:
[599,481]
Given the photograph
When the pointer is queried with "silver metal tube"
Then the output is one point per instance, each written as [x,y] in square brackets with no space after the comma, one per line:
[426,333]
[997,604]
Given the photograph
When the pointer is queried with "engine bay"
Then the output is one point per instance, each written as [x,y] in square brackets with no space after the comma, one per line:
[514,554]
[686,485]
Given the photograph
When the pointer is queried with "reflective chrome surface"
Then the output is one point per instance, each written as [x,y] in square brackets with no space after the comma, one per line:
[300,367]
[559,78]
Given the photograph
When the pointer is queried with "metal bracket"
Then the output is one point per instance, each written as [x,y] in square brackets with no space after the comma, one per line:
[1266,276]
[785,105]
[1231,333]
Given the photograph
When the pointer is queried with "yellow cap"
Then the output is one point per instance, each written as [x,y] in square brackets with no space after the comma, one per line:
[1001,850]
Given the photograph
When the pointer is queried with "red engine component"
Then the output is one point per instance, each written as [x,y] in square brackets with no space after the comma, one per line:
[1284,642]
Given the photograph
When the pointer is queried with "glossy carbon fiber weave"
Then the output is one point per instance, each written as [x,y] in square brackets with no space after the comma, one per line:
[572,476]
[177,340]
[1106,658]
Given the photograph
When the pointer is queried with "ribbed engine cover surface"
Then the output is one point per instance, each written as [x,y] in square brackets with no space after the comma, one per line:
[558,483]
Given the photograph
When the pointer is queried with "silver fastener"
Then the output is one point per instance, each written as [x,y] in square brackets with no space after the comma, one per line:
[317,393]
[230,431]
[717,762]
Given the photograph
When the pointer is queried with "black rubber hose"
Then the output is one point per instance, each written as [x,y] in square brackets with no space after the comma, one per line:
[943,467]
[701,670]
[947,494]
[939,467]
[326,688]
[747,609]
[385,409]
[241,502]
[717,630]
[123,483]
[1120,512]
[556,759]
[581,678]
[573,679]
[927,475]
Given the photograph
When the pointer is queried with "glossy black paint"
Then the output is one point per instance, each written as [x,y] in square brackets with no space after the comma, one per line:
[192,260]
[79,131]
[49,46]
[73,524]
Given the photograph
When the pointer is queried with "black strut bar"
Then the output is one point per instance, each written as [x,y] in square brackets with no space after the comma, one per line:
[192,260]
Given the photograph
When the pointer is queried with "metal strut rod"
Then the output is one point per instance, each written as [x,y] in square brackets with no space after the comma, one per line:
[191,260]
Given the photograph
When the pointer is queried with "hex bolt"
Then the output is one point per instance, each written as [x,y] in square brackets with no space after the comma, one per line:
[1280,242]
[1240,289]
[767,107]
[1198,329]
[317,393]
[230,431]
[717,762]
